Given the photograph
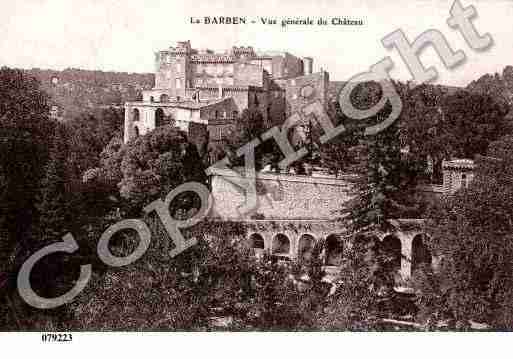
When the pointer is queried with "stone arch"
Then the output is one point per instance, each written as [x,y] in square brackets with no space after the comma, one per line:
[159,117]
[420,253]
[333,250]
[256,242]
[281,245]
[136,115]
[306,245]
[390,249]
[164,98]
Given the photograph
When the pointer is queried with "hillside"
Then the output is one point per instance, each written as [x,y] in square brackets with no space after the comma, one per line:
[73,90]
[498,86]
[336,86]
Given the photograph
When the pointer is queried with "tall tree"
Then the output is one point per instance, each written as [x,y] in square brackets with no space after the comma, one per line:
[438,123]
[54,201]
[471,233]
[23,153]
[380,183]
[148,167]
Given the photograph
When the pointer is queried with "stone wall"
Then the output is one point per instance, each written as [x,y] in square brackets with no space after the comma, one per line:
[283,196]
[286,66]
[247,74]
[304,90]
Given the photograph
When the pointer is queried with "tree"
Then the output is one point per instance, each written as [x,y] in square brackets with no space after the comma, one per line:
[471,232]
[379,188]
[54,200]
[438,124]
[249,126]
[24,145]
[148,167]
[216,278]
[89,133]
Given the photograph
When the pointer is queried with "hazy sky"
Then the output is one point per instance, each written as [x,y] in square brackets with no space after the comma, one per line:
[122,35]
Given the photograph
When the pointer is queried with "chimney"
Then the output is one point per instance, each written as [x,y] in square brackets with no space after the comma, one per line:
[307,65]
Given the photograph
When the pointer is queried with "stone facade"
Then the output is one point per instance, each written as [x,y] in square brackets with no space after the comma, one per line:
[142,117]
[303,90]
[458,173]
[294,213]
[283,196]
[276,83]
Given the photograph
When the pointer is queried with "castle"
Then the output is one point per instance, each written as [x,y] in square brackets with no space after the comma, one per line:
[295,212]
[204,93]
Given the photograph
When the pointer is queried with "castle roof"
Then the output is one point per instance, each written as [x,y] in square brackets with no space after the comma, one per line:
[213,58]
[461,163]
[182,103]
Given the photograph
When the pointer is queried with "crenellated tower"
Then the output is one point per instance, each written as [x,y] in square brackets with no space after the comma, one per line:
[173,69]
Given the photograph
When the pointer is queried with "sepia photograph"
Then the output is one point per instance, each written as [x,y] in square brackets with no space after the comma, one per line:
[299,169]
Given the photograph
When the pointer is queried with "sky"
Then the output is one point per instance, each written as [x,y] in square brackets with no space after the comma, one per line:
[122,35]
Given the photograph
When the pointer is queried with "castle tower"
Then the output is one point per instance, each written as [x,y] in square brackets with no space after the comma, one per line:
[173,69]
[307,65]
[457,174]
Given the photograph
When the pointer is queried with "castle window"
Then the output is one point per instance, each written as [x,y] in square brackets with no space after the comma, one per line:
[464,182]
[136,115]
[224,114]
[305,246]
[256,241]
[333,250]
[216,114]
[136,131]
[152,99]
[159,117]
[164,98]
[235,114]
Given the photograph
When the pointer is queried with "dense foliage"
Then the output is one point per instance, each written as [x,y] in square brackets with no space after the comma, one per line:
[79,176]
[472,233]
